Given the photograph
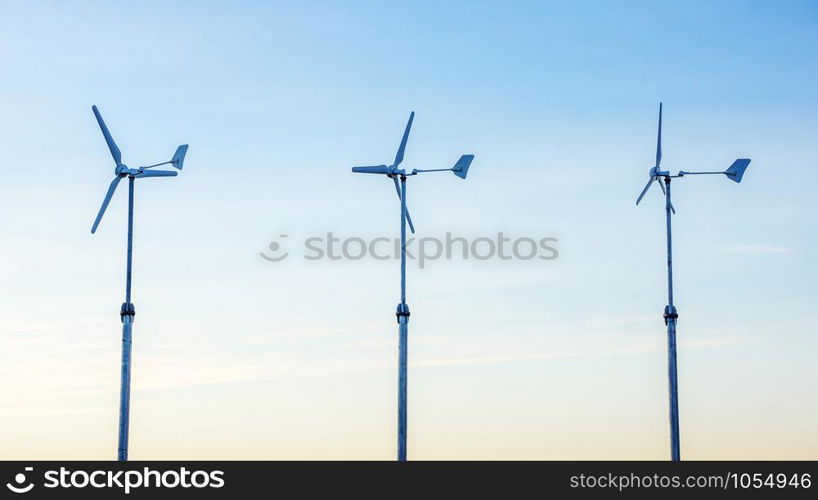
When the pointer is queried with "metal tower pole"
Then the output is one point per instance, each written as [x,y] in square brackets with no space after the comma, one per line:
[403,329]
[126,313]
[670,317]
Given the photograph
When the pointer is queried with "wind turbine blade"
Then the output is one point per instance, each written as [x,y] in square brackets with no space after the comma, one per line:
[105,202]
[408,218]
[642,194]
[156,173]
[659,139]
[402,148]
[661,185]
[110,140]
[378,169]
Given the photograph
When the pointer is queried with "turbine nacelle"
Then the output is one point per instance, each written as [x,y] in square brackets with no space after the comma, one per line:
[137,173]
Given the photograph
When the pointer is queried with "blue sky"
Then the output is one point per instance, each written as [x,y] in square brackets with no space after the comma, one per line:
[236,357]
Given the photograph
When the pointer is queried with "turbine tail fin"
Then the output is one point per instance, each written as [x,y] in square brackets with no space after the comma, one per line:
[736,170]
[179,157]
[461,168]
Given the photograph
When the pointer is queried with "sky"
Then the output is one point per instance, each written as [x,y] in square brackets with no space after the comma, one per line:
[237,357]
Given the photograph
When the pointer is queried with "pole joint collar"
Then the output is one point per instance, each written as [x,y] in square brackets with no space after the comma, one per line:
[127,309]
[670,313]
[403,310]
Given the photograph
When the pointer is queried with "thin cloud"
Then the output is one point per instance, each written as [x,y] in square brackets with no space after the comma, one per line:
[582,353]
[759,249]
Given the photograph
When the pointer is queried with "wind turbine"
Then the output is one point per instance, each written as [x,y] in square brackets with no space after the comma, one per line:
[460,169]
[734,173]
[127,311]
